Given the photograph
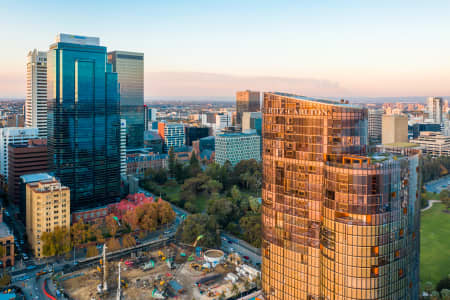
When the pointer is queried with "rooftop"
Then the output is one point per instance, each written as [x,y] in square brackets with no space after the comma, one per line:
[316,100]
[402,145]
[237,134]
[4,230]
[28,178]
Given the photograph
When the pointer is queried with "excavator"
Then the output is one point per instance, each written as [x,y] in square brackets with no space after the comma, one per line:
[191,258]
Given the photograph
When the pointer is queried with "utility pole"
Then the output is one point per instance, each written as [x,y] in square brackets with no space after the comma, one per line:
[105,270]
[118,285]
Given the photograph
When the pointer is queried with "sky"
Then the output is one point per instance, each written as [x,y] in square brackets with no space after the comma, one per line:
[214,48]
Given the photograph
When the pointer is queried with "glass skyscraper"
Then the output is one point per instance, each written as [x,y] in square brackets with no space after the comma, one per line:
[129,67]
[83,120]
[339,222]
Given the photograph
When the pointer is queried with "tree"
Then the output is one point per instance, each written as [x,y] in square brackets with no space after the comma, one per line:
[112,225]
[444,196]
[221,208]
[194,165]
[166,214]
[131,220]
[147,217]
[254,204]
[160,176]
[5,279]
[79,233]
[128,241]
[56,242]
[435,295]
[97,233]
[235,194]
[428,287]
[445,294]
[199,224]
[251,228]
[444,283]
[91,251]
[112,244]
[172,162]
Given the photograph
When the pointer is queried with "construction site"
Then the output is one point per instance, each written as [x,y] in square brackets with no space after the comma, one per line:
[174,271]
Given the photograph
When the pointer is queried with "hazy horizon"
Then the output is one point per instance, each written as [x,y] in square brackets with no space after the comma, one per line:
[213,48]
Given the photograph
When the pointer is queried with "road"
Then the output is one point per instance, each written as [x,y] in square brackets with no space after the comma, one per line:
[436,186]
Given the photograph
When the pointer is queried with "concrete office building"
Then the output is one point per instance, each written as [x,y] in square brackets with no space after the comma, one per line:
[435,109]
[48,207]
[13,135]
[252,121]
[337,223]
[36,96]
[394,129]
[375,125]
[25,158]
[172,135]
[83,121]
[234,147]
[129,67]
[223,120]
[246,101]
[433,144]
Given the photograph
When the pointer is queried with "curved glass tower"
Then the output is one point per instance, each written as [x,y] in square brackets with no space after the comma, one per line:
[83,121]
[337,223]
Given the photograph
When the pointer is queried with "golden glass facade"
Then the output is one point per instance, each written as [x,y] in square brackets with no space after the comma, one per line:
[337,223]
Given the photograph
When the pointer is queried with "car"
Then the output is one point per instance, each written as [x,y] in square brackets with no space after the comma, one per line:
[6,213]
[167,232]
[230,242]
[246,257]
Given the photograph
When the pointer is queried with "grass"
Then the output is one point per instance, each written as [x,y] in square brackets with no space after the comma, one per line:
[434,244]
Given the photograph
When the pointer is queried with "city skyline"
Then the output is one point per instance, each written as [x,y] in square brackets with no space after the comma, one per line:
[326,49]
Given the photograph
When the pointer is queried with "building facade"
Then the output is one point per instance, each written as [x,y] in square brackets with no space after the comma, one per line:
[13,135]
[138,163]
[252,121]
[433,144]
[246,101]
[172,135]
[129,67]
[123,147]
[7,242]
[394,129]
[48,207]
[375,125]
[223,120]
[234,147]
[435,109]
[194,133]
[25,159]
[83,121]
[337,223]
[415,130]
[36,97]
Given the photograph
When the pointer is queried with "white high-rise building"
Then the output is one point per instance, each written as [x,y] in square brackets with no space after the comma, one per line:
[13,135]
[234,147]
[36,97]
[435,109]
[223,120]
[123,147]
[374,125]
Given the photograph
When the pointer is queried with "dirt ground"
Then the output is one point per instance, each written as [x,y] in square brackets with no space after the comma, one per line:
[140,283]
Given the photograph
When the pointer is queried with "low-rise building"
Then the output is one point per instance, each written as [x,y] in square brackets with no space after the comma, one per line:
[434,144]
[234,147]
[7,242]
[91,215]
[48,207]
[138,163]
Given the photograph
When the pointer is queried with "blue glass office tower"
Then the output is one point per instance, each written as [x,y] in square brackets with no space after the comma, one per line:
[129,67]
[83,121]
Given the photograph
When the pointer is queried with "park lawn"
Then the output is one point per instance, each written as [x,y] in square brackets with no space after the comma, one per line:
[434,244]
[172,191]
